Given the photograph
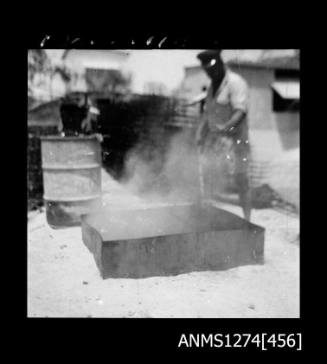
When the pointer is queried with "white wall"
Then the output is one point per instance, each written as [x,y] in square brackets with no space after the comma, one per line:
[288,126]
[193,82]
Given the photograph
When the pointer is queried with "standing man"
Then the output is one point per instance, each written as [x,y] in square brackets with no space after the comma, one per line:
[225,115]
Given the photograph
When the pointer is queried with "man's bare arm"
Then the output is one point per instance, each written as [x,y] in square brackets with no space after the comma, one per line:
[237,117]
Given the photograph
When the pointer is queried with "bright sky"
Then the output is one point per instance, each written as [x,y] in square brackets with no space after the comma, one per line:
[162,66]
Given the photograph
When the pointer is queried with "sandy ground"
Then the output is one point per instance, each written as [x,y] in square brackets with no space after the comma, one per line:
[63,280]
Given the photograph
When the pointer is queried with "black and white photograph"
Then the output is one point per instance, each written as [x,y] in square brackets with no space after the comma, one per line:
[163,183]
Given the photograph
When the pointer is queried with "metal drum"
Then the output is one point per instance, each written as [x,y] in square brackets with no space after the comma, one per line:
[71,178]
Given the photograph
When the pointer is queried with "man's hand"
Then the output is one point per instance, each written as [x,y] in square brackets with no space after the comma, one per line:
[99,137]
[231,126]
[229,130]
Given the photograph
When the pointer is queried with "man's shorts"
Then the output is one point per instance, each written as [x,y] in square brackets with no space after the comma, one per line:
[233,152]
[242,156]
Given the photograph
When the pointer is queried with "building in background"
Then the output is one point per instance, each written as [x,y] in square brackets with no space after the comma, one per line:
[154,71]
[97,70]
[273,77]
[147,71]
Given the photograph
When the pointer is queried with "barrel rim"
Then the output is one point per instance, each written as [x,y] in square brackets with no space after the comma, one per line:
[67,167]
[67,138]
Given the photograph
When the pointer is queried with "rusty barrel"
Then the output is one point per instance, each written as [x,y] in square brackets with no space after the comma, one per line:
[71,178]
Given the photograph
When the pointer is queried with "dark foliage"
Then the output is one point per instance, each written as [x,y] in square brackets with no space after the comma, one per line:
[34,165]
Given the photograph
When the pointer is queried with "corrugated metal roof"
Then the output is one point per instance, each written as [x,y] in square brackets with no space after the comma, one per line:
[287,89]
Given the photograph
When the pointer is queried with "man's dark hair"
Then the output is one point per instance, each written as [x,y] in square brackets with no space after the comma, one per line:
[209,54]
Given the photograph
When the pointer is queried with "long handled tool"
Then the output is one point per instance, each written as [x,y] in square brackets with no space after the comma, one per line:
[200,155]
[200,150]
[201,180]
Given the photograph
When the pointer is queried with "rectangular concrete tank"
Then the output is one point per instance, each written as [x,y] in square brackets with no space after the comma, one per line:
[166,239]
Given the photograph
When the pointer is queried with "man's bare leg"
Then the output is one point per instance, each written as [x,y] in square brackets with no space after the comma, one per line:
[244,195]
[245,200]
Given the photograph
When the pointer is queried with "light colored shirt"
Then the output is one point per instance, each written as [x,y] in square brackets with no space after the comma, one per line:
[231,95]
